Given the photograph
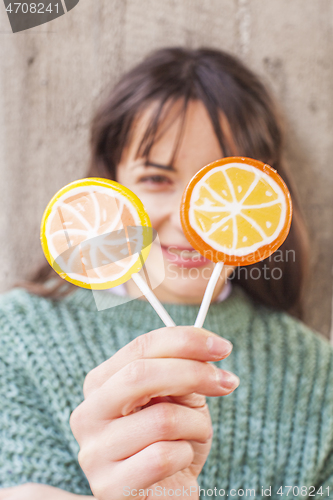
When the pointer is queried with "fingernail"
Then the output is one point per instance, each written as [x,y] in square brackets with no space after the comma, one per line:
[218,347]
[228,380]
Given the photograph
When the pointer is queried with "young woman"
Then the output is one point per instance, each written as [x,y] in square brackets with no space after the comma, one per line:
[157,418]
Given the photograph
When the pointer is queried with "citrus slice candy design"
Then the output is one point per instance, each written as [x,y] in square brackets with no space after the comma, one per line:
[95,233]
[236,210]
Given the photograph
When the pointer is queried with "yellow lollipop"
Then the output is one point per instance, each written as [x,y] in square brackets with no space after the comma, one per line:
[96,234]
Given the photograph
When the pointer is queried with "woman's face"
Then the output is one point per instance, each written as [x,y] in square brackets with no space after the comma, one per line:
[160,188]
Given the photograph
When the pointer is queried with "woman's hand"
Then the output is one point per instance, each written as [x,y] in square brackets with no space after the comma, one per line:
[35,491]
[144,421]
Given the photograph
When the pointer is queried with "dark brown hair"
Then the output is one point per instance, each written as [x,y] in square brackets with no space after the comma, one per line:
[246,123]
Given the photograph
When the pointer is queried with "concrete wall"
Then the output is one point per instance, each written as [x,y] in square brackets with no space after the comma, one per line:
[52,77]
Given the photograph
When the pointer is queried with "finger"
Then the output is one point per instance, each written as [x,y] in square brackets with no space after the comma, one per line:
[162,422]
[143,379]
[193,400]
[155,463]
[177,342]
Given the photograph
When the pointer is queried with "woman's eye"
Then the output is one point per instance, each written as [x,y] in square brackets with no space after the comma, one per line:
[157,180]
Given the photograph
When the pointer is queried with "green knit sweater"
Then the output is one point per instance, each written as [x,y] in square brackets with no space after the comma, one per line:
[275,430]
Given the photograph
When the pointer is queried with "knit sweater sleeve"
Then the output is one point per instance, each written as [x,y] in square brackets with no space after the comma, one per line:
[306,411]
[34,446]
[324,472]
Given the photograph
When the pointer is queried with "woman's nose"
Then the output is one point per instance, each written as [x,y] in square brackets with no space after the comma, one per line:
[174,211]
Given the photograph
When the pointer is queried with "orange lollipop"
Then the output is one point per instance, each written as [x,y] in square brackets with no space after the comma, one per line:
[235,211]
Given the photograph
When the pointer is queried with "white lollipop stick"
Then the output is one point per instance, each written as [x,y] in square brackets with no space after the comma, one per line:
[208,295]
[147,292]
[151,297]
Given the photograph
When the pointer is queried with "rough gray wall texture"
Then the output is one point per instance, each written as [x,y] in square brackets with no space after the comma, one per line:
[52,77]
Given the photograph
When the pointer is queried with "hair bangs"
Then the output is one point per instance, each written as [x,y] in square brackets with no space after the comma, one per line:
[159,123]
